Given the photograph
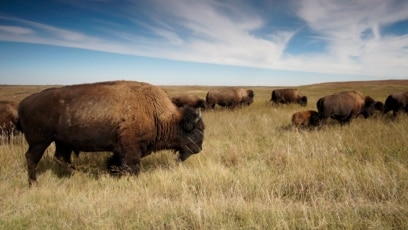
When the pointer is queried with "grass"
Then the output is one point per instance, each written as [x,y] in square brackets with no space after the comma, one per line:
[254,172]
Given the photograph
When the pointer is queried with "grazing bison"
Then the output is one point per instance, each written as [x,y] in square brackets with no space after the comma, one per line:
[306,118]
[345,105]
[8,119]
[287,96]
[230,97]
[189,100]
[395,102]
[130,119]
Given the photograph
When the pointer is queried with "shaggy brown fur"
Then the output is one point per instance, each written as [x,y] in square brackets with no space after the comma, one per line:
[230,97]
[395,102]
[306,118]
[287,96]
[189,100]
[130,119]
[8,118]
[345,105]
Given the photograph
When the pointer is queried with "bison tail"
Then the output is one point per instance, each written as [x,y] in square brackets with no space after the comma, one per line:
[320,108]
[273,97]
[303,101]
[18,126]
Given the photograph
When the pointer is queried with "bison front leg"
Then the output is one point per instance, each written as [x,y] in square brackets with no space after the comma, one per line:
[132,163]
[128,163]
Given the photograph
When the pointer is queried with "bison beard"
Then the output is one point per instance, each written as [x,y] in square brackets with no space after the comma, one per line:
[130,119]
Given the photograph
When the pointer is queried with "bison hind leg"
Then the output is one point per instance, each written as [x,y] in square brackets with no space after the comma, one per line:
[33,156]
[63,156]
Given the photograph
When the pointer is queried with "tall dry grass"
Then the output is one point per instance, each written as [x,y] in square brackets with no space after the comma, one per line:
[254,172]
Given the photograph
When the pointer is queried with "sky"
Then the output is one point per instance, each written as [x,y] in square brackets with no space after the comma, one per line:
[205,42]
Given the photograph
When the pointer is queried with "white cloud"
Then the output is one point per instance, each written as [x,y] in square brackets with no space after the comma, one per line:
[342,24]
[214,32]
[16,30]
[225,33]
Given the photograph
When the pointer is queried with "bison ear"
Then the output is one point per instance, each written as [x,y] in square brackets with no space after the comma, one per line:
[189,118]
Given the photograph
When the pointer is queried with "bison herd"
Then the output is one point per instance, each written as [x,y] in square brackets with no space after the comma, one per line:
[133,119]
[346,105]
[342,106]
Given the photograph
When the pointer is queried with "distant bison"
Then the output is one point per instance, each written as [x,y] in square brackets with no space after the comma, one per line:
[345,105]
[230,97]
[189,100]
[130,119]
[306,118]
[287,96]
[8,118]
[395,102]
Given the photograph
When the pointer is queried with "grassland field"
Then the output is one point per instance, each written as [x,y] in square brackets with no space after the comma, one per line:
[255,172]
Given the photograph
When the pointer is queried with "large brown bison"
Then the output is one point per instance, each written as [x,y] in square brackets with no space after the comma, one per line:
[230,97]
[130,119]
[288,96]
[345,105]
[8,119]
[395,102]
[189,100]
[307,118]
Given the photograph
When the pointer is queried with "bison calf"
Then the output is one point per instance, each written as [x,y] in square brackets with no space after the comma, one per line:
[130,119]
[306,118]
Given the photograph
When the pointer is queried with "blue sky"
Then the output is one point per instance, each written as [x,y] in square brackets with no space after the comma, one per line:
[206,42]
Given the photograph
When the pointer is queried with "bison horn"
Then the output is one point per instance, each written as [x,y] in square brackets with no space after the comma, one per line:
[199,116]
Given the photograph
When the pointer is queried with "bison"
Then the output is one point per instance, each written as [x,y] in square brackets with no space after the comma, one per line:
[8,119]
[288,96]
[189,100]
[395,102]
[230,97]
[345,105]
[307,118]
[131,119]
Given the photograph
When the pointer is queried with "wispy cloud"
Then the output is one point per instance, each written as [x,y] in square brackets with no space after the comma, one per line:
[15,30]
[352,30]
[225,32]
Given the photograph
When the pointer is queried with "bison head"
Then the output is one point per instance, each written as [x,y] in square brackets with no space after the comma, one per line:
[369,107]
[378,105]
[249,98]
[191,133]
[314,118]
[303,101]
[201,103]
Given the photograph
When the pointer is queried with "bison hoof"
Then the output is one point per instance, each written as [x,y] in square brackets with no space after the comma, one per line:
[66,165]
[31,182]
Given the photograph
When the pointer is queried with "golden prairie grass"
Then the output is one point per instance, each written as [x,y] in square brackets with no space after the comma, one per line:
[254,172]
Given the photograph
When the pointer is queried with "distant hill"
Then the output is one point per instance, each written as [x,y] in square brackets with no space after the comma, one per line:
[365,83]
